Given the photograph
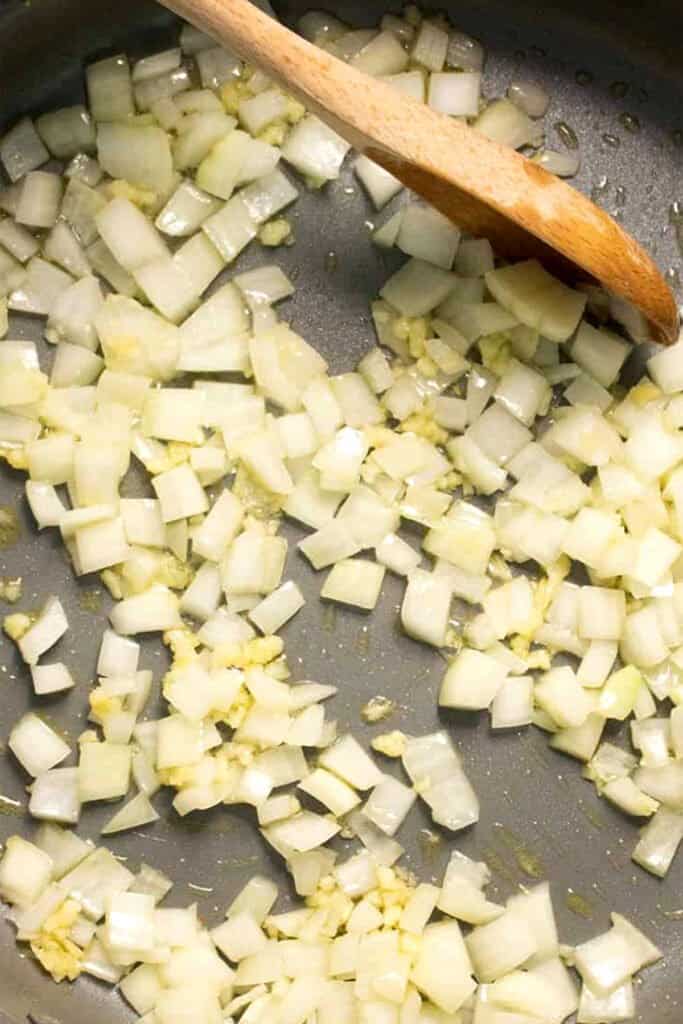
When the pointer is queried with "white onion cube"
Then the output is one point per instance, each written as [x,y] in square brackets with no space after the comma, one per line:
[36,746]
[426,607]
[51,678]
[356,582]
[180,493]
[25,871]
[103,771]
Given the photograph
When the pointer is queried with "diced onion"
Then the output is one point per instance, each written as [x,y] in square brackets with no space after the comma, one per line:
[530,97]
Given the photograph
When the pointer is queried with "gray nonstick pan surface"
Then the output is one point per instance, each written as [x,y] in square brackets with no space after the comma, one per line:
[615,73]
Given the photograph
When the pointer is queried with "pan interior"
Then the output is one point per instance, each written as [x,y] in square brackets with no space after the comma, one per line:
[538,818]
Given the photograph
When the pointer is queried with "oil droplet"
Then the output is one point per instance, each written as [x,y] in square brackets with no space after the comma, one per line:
[330,262]
[672,915]
[567,134]
[9,527]
[429,843]
[584,77]
[528,862]
[90,601]
[611,140]
[329,618]
[676,220]
[591,815]
[11,807]
[618,90]
[600,188]
[578,905]
[349,190]
[673,277]
[363,641]
[498,866]
[630,122]
[243,862]
[620,195]
[378,709]
[10,589]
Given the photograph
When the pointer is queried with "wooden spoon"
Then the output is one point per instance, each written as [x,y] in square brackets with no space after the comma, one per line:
[486,188]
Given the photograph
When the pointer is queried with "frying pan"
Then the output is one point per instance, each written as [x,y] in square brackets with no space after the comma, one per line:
[614,71]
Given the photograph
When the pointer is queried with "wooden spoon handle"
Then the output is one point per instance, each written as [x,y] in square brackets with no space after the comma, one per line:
[485,187]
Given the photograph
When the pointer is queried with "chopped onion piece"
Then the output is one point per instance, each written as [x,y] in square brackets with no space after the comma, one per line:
[100,545]
[564,165]
[426,607]
[39,200]
[537,299]
[624,793]
[598,1009]
[40,290]
[64,847]
[529,97]
[315,150]
[276,609]
[609,961]
[659,841]
[302,832]
[36,746]
[434,769]
[388,804]
[45,504]
[472,681]
[454,93]
[216,65]
[502,945]
[442,971]
[336,795]
[25,871]
[397,555]
[21,150]
[254,564]
[430,46]
[103,771]
[355,582]
[427,235]
[55,796]
[53,678]
[136,813]
[506,123]
[155,610]
[268,195]
[380,185]
[417,288]
[110,92]
[132,240]
[512,706]
[382,848]
[239,937]
[600,353]
[347,759]
[560,694]
[50,625]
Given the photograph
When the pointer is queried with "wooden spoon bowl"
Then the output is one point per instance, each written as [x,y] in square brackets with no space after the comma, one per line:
[486,188]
